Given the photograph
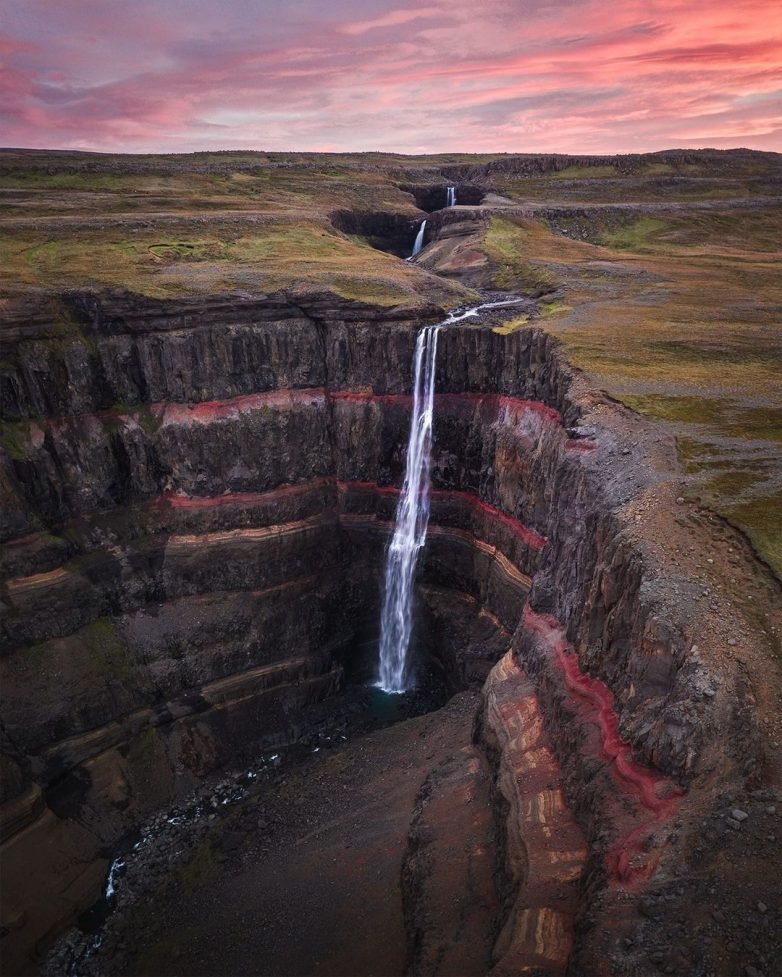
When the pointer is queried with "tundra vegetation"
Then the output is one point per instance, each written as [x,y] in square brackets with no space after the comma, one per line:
[661,273]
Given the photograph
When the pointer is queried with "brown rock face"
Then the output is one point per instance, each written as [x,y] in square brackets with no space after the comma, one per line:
[196,501]
[545,850]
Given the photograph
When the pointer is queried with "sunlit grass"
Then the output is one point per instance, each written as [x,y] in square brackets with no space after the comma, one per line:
[511,325]
[508,244]
[187,260]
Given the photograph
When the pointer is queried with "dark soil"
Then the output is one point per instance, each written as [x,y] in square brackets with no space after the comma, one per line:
[305,875]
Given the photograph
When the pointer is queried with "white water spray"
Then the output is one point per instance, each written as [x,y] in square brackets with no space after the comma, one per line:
[419,241]
[412,511]
[412,518]
[451,197]
[111,882]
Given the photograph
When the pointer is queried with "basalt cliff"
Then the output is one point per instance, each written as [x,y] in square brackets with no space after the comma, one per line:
[196,498]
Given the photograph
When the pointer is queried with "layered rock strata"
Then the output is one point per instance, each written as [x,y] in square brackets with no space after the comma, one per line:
[544,848]
[196,501]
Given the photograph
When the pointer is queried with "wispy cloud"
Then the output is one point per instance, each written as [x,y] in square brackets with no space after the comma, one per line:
[394,18]
[510,75]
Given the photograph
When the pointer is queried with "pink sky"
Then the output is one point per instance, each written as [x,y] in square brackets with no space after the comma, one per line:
[494,76]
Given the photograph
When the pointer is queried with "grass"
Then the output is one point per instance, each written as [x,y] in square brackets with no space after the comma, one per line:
[635,236]
[509,246]
[691,410]
[732,420]
[201,223]
[745,235]
[186,260]
[761,518]
[552,306]
[675,312]
[511,325]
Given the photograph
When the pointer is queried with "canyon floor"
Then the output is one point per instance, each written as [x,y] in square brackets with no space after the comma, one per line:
[383,855]
[316,860]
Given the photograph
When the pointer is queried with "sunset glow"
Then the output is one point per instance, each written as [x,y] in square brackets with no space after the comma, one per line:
[504,75]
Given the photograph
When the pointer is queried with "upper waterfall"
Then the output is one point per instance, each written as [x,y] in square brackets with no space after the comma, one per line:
[419,240]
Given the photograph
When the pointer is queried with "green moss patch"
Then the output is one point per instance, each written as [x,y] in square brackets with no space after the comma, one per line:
[635,236]
[511,325]
[761,519]
[509,246]
[15,439]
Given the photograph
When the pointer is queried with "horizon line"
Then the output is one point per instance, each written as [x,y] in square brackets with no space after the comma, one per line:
[387,152]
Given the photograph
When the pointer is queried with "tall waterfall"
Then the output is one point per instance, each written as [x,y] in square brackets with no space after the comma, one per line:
[412,510]
[412,518]
[451,197]
[419,240]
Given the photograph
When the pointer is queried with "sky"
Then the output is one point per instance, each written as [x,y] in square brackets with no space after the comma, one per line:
[589,76]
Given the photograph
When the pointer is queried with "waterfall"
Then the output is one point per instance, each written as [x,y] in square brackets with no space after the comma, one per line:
[412,510]
[419,240]
[451,197]
[412,518]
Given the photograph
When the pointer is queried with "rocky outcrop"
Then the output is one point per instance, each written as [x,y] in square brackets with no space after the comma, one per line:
[433,197]
[544,849]
[541,165]
[450,898]
[385,230]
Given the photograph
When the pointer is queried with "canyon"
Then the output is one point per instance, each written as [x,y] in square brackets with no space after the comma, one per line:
[198,492]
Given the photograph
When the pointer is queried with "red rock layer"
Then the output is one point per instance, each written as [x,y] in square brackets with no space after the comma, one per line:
[177,500]
[650,796]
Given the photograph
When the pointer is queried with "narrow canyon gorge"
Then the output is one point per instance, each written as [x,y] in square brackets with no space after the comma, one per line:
[196,506]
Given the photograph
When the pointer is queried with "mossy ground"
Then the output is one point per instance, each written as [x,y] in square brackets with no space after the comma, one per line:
[678,317]
[666,297]
[170,226]
[513,257]
[188,260]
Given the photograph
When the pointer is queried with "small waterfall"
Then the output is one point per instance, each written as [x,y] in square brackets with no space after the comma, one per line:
[419,241]
[412,518]
[451,197]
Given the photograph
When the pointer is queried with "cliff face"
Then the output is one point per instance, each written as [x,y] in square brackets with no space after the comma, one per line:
[196,499]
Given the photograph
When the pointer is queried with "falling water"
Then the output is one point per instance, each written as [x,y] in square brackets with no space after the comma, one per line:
[451,197]
[412,518]
[419,240]
[412,511]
